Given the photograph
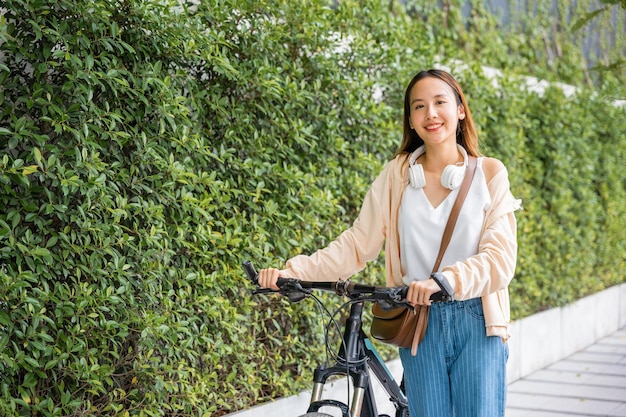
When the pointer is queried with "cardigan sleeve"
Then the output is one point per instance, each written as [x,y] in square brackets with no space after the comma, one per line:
[493,267]
[356,246]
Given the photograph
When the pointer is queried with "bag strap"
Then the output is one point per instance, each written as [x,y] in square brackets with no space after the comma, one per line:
[447,235]
[456,209]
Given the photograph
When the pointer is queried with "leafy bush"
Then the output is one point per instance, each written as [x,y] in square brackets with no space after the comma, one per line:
[148,147]
[562,155]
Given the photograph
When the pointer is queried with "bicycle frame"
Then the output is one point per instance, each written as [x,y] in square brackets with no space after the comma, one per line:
[357,356]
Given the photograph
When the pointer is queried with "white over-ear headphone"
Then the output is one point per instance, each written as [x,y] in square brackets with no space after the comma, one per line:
[451,177]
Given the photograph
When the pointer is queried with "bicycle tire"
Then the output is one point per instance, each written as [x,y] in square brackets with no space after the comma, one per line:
[316,415]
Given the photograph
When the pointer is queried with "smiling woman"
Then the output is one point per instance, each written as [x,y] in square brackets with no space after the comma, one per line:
[407,218]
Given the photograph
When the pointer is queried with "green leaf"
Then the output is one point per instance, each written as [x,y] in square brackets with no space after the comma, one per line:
[40,252]
[30,380]
[29,170]
[588,17]
[37,155]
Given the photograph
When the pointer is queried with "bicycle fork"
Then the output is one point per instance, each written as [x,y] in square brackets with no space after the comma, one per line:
[354,356]
[361,387]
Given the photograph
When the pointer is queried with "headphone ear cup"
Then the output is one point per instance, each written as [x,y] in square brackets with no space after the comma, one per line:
[452,176]
[416,176]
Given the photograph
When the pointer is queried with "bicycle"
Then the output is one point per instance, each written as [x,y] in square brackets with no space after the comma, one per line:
[357,356]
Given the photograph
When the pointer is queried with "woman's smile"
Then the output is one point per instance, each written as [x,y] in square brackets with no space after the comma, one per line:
[433,127]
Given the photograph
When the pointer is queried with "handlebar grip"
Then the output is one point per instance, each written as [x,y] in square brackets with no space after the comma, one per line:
[251,272]
[254,276]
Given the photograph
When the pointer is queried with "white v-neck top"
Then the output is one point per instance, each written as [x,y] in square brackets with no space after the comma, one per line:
[421,226]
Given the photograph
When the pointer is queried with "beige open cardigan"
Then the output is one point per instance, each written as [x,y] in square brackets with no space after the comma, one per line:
[486,274]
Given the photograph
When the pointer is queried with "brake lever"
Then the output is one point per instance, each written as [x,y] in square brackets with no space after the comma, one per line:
[263,291]
[290,289]
[407,305]
[446,293]
[439,296]
[293,290]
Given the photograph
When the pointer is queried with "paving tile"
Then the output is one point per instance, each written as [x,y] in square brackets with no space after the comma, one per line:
[514,412]
[617,339]
[534,413]
[597,380]
[577,391]
[577,406]
[606,348]
[596,357]
[523,401]
[548,414]
[589,367]
[619,411]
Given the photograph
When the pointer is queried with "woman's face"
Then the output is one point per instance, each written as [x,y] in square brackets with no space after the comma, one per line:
[434,112]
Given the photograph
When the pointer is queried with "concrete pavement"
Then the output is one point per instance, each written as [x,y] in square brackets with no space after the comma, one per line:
[590,382]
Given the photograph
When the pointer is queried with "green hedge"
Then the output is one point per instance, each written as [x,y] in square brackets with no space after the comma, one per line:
[564,157]
[148,147]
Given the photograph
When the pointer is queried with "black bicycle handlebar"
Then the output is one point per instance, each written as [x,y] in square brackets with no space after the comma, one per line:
[389,297]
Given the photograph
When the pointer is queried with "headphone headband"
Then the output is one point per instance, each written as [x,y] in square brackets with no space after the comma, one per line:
[451,177]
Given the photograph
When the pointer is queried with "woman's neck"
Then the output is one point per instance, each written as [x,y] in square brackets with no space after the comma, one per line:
[437,157]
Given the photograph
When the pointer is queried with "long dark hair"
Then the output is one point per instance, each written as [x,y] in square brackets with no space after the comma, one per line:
[466,134]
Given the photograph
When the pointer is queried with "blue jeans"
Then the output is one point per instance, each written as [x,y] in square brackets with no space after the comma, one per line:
[458,370]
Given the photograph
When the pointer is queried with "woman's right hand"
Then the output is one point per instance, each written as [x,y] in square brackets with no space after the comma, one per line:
[268,278]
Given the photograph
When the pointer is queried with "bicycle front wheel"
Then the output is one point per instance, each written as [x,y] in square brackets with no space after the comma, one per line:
[316,415]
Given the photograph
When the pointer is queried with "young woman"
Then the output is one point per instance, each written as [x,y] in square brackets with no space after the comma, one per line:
[459,368]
